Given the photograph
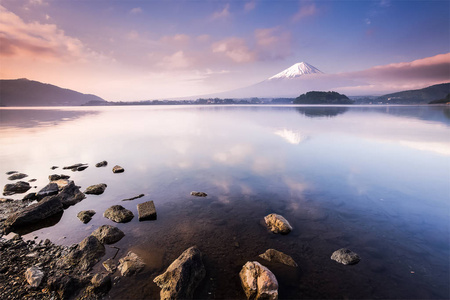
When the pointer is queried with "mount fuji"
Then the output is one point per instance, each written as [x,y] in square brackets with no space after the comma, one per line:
[297,70]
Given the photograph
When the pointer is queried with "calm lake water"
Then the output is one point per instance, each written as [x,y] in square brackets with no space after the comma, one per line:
[373,179]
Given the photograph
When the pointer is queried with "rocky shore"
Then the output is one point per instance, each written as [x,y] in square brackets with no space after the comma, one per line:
[43,270]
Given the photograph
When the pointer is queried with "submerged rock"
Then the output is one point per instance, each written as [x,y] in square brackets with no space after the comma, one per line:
[87,253]
[118,214]
[199,194]
[108,234]
[96,189]
[34,276]
[278,256]
[48,190]
[134,198]
[258,281]
[146,211]
[277,224]
[183,276]
[130,264]
[345,256]
[76,167]
[101,164]
[86,215]
[118,169]
[34,213]
[16,188]
[17,176]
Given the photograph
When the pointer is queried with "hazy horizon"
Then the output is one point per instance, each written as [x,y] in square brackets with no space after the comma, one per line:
[134,50]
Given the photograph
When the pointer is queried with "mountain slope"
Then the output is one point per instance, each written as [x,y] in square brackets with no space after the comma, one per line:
[421,96]
[297,70]
[24,92]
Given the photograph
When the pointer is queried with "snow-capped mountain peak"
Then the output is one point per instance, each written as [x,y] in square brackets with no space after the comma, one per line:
[297,70]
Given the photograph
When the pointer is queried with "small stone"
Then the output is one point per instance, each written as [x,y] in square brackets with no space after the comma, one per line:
[258,281]
[118,214]
[86,215]
[108,234]
[278,256]
[277,224]
[81,168]
[146,211]
[34,276]
[199,194]
[101,164]
[110,265]
[11,172]
[55,177]
[54,167]
[118,169]
[30,197]
[96,189]
[345,256]
[17,176]
[74,167]
[130,264]
[16,188]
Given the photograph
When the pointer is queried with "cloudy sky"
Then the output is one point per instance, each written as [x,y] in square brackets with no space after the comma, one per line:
[139,50]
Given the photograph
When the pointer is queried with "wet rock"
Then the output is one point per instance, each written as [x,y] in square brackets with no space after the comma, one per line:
[130,264]
[134,198]
[11,172]
[32,180]
[199,194]
[86,215]
[101,164]
[61,183]
[76,167]
[81,168]
[101,283]
[70,195]
[84,256]
[55,177]
[54,167]
[277,224]
[6,200]
[34,213]
[183,276]
[118,169]
[65,285]
[258,281]
[48,190]
[17,176]
[34,276]
[278,256]
[118,214]
[16,188]
[146,211]
[96,189]
[108,234]
[30,197]
[345,256]
[110,265]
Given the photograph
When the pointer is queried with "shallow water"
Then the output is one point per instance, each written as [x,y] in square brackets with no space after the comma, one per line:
[374,179]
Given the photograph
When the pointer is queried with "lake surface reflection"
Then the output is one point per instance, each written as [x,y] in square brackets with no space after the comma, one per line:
[374,179]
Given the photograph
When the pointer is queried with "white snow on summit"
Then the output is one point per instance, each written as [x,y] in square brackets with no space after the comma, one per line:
[297,70]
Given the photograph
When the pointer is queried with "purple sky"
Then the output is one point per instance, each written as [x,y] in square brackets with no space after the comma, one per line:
[139,50]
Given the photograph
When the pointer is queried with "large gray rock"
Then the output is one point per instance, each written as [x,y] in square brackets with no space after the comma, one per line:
[258,281]
[146,211]
[34,213]
[118,214]
[183,276]
[108,234]
[87,253]
[70,195]
[345,256]
[86,215]
[17,176]
[96,189]
[16,188]
[34,276]
[277,224]
[278,256]
[130,264]
[48,190]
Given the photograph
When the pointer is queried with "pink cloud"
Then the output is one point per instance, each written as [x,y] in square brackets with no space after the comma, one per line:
[176,40]
[249,6]
[223,14]
[234,48]
[305,11]
[272,43]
